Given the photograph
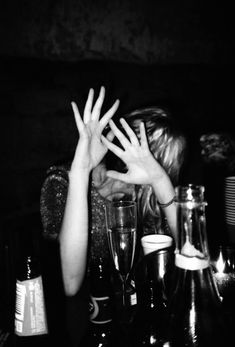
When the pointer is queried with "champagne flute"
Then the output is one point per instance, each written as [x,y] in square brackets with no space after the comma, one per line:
[121,223]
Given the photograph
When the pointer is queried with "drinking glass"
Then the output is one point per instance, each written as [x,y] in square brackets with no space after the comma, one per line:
[121,223]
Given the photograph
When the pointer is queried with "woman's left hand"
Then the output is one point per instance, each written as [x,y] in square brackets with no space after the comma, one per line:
[142,167]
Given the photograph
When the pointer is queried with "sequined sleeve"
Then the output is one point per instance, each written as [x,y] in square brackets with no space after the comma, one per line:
[99,241]
[52,200]
[52,205]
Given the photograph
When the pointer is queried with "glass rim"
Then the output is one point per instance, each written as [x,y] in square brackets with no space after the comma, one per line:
[190,186]
[121,203]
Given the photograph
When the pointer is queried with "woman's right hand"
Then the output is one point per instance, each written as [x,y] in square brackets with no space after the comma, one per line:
[75,225]
[90,149]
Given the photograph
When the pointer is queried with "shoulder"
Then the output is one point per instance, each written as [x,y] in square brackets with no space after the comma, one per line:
[52,199]
[58,172]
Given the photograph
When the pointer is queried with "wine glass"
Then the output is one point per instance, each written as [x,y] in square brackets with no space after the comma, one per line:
[121,223]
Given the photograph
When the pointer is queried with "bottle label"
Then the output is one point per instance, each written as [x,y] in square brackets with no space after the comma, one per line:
[30,313]
[133,299]
[133,295]
[191,263]
[100,310]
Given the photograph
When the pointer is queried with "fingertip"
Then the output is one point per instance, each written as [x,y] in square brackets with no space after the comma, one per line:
[102,90]
[115,105]
[110,136]
[122,120]
[74,106]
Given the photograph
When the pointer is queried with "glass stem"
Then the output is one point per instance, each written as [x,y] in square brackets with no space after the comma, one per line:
[124,291]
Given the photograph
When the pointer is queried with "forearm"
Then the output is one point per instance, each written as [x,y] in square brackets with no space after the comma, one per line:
[164,192]
[74,232]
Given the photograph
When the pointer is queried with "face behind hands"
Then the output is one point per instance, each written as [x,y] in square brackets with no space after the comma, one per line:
[110,188]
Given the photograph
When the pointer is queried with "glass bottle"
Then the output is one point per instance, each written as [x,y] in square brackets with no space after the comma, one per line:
[148,326]
[31,327]
[101,307]
[196,318]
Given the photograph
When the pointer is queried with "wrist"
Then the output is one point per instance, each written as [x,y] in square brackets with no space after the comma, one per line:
[164,192]
[167,204]
[79,174]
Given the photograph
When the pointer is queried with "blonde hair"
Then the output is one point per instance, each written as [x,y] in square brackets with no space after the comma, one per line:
[166,143]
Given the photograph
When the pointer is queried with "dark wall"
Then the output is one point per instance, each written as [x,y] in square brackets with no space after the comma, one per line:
[169,31]
[144,52]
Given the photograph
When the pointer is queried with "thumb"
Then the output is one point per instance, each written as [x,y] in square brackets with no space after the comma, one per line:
[116,175]
[110,136]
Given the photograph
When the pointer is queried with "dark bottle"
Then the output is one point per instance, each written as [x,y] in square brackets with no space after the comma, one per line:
[124,314]
[30,310]
[149,322]
[196,317]
[101,308]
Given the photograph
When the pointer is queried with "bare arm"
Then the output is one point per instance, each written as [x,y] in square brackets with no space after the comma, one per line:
[74,232]
[89,152]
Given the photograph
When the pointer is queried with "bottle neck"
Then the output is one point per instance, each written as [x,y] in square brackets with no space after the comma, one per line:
[156,295]
[191,248]
[28,266]
[99,275]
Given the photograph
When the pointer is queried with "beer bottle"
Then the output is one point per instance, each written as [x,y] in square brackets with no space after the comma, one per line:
[149,321]
[101,308]
[30,311]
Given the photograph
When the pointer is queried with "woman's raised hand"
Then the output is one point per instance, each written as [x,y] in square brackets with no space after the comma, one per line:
[142,167]
[90,149]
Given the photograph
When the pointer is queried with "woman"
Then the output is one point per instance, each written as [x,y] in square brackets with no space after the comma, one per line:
[152,152]
[147,154]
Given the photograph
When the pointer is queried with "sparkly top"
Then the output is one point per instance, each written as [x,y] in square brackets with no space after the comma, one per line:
[52,205]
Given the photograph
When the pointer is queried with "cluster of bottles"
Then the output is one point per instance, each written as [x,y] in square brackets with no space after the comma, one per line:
[182,310]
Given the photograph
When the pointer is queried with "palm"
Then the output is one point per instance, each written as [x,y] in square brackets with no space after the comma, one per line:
[96,149]
[142,166]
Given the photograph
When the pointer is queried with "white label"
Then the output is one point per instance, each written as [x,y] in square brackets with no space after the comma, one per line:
[133,296]
[133,299]
[30,313]
[191,263]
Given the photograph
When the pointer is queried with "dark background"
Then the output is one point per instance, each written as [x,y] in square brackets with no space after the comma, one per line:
[174,53]
[178,54]
[152,31]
